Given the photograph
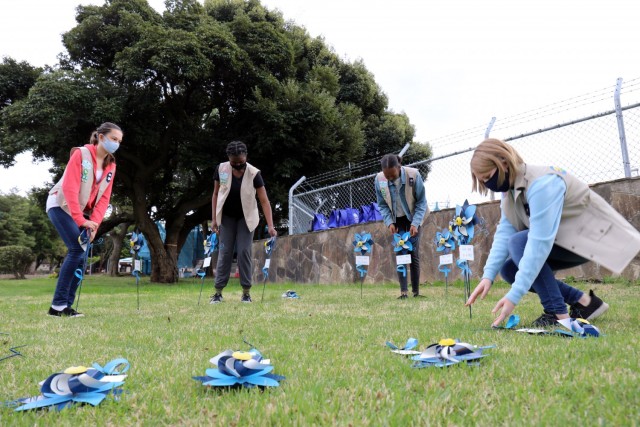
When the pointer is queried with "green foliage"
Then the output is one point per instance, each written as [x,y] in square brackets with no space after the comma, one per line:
[185,83]
[15,259]
[330,346]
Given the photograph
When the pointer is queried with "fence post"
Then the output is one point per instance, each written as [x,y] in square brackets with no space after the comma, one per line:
[623,137]
[291,207]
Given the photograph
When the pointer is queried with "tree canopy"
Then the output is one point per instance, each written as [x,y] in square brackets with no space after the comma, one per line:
[184,83]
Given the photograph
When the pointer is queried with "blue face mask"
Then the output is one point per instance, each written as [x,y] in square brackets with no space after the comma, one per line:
[109,145]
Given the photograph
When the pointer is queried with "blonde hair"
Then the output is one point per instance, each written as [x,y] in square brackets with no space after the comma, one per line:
[491,154]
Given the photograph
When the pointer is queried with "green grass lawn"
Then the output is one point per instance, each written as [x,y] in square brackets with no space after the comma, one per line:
[330,346]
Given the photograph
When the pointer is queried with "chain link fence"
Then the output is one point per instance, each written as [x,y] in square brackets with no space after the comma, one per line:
[596,147]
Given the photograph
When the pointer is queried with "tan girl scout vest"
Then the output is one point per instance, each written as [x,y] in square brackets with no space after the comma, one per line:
[86,182]
[589,226]
[410,176]
[247,193]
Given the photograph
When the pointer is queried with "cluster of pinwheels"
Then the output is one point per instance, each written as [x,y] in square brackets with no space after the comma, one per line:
[77,385]
[240,368]
[463,222]
[362,245]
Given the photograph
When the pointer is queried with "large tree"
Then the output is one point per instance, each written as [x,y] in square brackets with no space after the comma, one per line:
[184,83]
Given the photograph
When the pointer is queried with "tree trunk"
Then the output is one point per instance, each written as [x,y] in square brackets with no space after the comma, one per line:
[116,238]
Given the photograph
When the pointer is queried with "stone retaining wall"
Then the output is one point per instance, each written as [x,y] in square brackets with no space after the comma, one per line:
[328,257]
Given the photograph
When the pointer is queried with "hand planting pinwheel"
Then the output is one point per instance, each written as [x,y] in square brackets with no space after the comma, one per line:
[362,246]
[449,352]
[78,385]
[240,369]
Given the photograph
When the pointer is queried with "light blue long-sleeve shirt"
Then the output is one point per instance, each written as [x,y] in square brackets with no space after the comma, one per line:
[420,205]
[546,200]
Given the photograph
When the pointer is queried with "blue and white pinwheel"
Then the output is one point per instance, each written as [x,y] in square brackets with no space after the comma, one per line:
[402,243]
[449,352]
[136,242]
[211,244]
[445,242]
[362,245]
[408,348]
[240,368]
[77,385]
[269,246]
[291,295]
[463,222]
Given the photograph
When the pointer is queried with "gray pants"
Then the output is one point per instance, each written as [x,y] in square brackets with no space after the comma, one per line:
[234,234]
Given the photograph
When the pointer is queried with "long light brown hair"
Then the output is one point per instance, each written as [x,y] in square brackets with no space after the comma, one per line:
[491,154]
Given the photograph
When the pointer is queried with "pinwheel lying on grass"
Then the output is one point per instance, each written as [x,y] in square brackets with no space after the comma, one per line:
[78,384]
[291,295]
[578,328]
[240,368]
[408,348]
[449,352]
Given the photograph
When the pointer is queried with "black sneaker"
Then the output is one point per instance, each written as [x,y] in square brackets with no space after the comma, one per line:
[547,319]
[72,313]
[596,308]
[403,296]
[216,299]
[246,298]
[417,295]
[54,312]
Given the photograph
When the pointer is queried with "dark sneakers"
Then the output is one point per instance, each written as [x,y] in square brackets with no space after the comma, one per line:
[216,298]
[67,312]
[596,308]
[246,297]
[403,296]
[417,295]
[547,319]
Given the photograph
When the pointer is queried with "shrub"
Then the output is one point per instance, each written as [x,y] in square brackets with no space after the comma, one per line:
[15,260]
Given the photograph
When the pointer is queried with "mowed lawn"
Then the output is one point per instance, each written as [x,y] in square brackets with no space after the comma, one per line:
[330,346]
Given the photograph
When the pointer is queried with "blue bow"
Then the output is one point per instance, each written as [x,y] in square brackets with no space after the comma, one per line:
[444,269]
[463,265]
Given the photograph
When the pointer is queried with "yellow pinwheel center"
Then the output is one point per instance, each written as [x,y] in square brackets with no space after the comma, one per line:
[400,242]
[266,243]
[585,321]
[458,221]
[241,355]
[447,342]
[74,370]
[360,244]
[450,228]
[442,240]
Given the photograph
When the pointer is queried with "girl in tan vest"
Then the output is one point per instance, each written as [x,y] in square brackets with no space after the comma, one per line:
[235,216]
[79,201]
[550,221]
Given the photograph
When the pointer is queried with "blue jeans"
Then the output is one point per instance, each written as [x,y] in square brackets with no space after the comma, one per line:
[68,283]
[403,225]
[554,294]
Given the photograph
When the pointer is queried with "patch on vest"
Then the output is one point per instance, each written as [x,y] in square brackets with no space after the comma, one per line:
[86,167]
[383,188]
[558,169]
[411,182]
[224,178]
[108,178]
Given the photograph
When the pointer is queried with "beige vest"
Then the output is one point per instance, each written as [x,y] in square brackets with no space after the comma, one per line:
[86,182]
[589,226]
[409,173]
[247,193]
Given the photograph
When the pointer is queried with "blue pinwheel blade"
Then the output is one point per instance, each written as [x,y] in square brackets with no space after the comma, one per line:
[470,211]
[396,237]
[513,321]
[391,345]
[221,382]
[411,344]
[262,381]
[93,399]
[406,236]
[42,402]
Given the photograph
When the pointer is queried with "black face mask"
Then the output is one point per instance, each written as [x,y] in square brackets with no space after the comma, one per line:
[239,167]
[492,183]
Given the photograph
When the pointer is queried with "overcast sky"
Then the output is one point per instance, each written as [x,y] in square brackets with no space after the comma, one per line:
[450,64]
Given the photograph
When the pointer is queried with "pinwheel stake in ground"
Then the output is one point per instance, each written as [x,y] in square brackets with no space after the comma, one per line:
[449,352]
[241,369]
[78,384]
[402,246]
[362,246]
[135,243]
[210,246]
[445,243]
[84,239]
[269,246]
[462,227]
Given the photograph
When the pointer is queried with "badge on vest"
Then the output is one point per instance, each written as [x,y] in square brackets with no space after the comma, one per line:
[224,178]
[411,182]
[383,187]
[86,167]
[108,178]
